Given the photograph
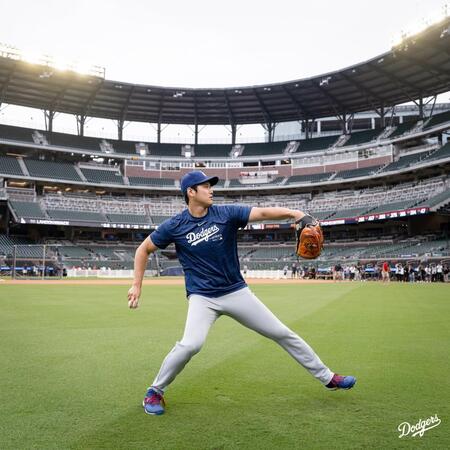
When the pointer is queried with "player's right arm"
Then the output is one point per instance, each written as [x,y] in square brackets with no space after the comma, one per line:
[140,263]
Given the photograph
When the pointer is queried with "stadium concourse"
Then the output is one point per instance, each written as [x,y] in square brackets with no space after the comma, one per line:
[371,161]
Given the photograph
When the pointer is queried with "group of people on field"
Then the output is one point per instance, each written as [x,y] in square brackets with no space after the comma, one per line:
[401,272]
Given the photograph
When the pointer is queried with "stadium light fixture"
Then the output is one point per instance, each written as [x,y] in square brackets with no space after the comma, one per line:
[420,26]
[50,62]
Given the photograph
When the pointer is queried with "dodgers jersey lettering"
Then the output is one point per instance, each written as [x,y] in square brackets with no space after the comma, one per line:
[207,248]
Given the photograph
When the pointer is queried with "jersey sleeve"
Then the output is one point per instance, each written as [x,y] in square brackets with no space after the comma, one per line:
[239,214]
[162,236]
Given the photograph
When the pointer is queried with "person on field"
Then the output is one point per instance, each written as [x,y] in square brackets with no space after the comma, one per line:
[385,272]
[205,237]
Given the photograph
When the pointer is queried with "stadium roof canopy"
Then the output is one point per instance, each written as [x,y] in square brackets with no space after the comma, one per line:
[419,67]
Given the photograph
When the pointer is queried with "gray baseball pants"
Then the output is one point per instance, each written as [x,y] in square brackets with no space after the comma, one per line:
[247,309]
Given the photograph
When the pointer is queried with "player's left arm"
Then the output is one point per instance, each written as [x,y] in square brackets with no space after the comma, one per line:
[258,214]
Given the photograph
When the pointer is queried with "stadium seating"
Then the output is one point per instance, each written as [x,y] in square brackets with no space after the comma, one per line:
[362,137]
[405,161]
[322,215]
[130,219]
[164,149]
[275,253]
[321,143]
[159,219]
[153,182]
[27,209]
[74,252]
[212,150]
[394,206]
[267,148]
[105,252]
[102,176]
[126,147]
[51,170]
[443,152]
[403,128]
[355,173]
[313,178]
[25,248]
[16,133]
[437,199]
[354,212]
[437,119]
[80,216]
[10,166]
[237,183]
[73,141]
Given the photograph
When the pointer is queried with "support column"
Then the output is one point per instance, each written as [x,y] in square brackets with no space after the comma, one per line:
[196,133]
[158,133]
[382,116]
[269,130]
[421,107]
[120,123]
[343,120]
[49,116]
[80,125]
[305,125]
[233,134]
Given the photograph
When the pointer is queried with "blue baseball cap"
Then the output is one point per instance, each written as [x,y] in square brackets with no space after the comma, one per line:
[196,177]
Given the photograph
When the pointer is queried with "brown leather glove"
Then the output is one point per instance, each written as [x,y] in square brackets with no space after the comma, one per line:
[309,237]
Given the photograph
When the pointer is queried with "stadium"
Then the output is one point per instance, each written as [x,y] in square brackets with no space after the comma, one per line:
[370,159]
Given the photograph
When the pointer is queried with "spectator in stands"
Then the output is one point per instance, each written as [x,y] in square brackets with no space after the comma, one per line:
[385,272]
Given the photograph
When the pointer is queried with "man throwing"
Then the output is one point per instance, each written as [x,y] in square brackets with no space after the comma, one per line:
[205,237]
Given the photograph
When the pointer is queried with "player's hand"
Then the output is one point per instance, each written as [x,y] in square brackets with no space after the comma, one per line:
[133,297]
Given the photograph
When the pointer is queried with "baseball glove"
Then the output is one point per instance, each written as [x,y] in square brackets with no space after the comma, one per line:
[309,237]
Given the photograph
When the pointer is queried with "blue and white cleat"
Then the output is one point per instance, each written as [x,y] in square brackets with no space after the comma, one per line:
[340,382]
[153,402]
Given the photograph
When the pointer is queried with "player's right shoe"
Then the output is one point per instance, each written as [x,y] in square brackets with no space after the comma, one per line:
[153,402]
[340,382]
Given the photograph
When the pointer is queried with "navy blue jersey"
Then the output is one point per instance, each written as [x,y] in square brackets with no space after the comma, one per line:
[207,248]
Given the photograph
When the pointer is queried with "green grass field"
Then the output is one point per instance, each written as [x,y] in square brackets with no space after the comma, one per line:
[75,363]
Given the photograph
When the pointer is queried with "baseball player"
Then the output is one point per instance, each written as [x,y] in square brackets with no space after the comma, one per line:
[205,237]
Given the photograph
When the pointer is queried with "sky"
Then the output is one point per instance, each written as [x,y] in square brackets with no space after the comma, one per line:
[205,44]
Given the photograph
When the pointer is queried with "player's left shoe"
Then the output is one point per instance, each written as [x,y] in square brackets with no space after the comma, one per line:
[340,382]
[153,402]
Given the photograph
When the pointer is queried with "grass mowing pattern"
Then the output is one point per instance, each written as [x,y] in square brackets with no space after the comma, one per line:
[75,363]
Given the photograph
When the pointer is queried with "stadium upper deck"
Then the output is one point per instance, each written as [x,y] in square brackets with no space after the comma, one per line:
[417,68]
[374,155]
